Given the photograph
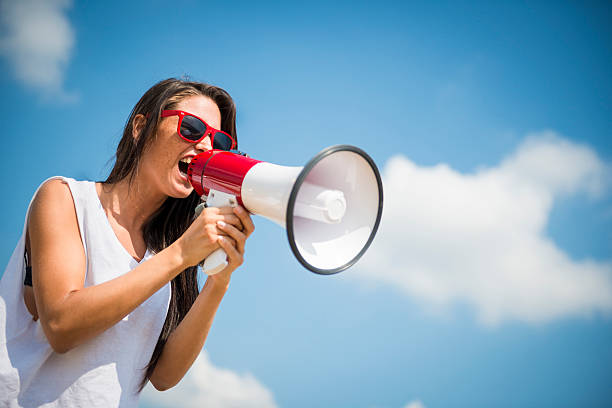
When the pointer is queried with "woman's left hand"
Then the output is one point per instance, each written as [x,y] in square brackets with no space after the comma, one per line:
[233,244]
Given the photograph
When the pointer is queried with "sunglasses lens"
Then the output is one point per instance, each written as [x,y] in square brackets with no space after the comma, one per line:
[192,128]
[222,141]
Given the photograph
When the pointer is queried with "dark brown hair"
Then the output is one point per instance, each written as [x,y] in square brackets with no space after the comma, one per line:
[175,215]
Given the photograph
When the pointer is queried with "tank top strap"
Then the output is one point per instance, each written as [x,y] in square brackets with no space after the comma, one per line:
[83,203]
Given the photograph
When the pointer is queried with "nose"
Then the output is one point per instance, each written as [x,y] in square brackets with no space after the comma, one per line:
[205,143]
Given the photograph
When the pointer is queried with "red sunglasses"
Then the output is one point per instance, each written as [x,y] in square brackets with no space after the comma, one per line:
[193,129]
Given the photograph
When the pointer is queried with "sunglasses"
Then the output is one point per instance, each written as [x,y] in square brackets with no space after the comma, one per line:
[193,129]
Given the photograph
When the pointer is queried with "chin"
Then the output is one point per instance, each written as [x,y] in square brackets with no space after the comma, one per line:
[181,193]
[180,186]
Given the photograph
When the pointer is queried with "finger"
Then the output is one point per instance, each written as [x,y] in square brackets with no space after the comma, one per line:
[245,218]
[221,210]
[218,211]
[227,219]
[215,215]
[233,220]
[238,236]
[234,257]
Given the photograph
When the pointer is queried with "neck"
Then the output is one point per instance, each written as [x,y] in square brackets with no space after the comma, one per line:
[131,205]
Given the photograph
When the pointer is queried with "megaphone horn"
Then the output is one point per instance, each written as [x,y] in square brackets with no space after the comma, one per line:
[331,207]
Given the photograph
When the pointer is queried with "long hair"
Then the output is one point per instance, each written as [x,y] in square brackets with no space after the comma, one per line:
[175,215]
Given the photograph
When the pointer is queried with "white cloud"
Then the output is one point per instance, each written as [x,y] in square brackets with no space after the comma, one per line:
[37,40]
[480,238]
[415,404]
[412,404]
[208,386]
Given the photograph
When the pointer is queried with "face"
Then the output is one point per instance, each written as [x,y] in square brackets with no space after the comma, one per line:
[160,162]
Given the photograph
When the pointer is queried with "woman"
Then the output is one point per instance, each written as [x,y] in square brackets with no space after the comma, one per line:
[114,301]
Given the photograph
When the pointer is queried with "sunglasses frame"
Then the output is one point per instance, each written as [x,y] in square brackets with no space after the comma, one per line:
[209,129]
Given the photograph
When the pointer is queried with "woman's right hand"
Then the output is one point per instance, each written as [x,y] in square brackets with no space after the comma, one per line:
[202,236]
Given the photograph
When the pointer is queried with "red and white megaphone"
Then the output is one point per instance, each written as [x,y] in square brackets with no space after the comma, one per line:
[330,208]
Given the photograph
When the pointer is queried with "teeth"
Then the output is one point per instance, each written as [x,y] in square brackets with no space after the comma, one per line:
[186,160]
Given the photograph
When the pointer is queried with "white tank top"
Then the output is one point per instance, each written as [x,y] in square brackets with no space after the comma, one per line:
[102,372]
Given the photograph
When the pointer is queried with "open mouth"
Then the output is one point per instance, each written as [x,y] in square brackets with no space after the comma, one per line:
[183,166]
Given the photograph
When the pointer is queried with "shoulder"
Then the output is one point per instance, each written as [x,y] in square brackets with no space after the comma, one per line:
[53,202]
[53,187]
[53,193]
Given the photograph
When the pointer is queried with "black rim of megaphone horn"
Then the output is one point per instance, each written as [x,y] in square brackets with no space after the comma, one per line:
[294,192]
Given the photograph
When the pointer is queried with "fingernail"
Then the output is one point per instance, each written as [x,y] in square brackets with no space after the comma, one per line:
[221,224]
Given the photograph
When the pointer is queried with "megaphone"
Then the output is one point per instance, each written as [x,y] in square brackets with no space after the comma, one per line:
[331,207]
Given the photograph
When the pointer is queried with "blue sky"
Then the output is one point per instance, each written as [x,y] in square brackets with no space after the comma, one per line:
[490,281]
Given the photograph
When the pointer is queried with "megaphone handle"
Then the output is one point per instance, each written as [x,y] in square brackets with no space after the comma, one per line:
[215,262]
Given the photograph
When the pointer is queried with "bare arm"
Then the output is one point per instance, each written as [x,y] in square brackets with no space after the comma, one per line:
[70,313]
[186,342]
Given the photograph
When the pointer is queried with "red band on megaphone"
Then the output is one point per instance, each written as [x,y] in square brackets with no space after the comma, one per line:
[219,170]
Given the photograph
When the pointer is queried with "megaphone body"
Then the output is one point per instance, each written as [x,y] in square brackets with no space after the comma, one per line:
[331,207]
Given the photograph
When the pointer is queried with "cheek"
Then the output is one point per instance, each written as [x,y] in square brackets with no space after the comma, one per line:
[161,154]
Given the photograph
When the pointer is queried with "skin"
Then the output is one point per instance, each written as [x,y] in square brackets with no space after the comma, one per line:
[70,313]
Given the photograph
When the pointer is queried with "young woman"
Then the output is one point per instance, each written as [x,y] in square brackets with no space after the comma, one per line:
[110,298]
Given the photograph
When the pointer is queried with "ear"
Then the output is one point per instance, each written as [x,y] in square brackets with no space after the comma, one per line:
[138,125]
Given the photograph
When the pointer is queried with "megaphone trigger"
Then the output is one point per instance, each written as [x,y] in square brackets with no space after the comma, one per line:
[220,199]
